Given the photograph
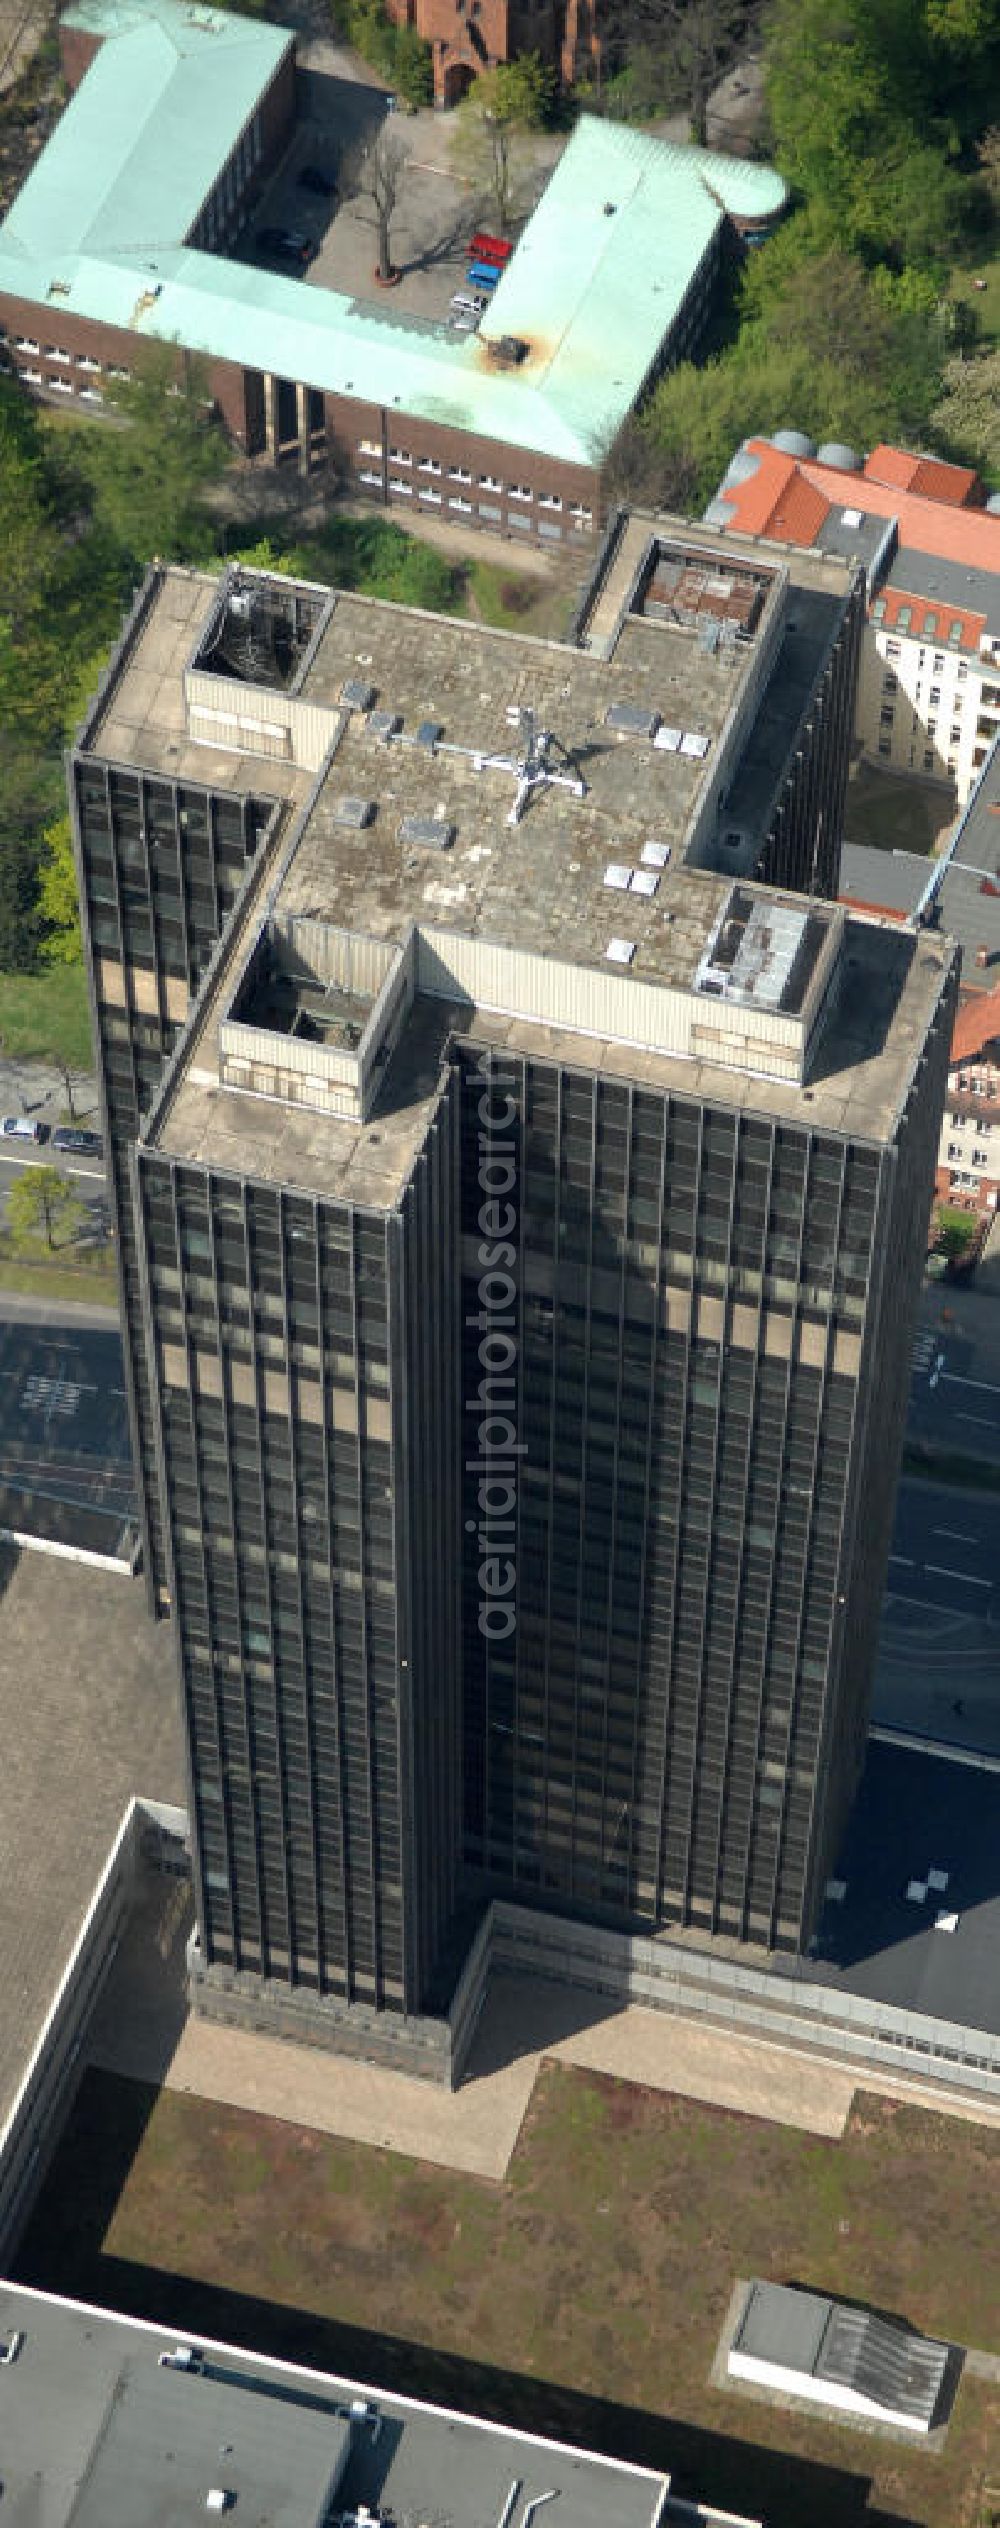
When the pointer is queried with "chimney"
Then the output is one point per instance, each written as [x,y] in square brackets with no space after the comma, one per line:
[982,954]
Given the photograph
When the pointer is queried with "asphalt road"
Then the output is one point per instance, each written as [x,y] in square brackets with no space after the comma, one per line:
[955,1397]
[944,1550]
[938,1664]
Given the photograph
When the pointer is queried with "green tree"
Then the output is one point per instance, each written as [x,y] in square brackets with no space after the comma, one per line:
[148,481]
[967,417]
[866,113]
[58,899]
[40,1204]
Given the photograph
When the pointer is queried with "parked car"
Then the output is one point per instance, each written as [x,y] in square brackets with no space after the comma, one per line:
[73,1137]
[24,1128]
[316,180]
[289,243]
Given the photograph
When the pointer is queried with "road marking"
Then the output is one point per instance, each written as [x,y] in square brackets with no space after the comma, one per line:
[906,1559]
[987,1385]
[982,1420]
[942,1572]
[10,1158]
[957,1534]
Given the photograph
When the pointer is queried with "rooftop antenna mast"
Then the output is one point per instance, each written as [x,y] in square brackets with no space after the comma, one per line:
[532,768]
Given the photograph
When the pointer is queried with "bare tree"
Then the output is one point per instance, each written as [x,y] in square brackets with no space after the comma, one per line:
[636,472]
[675,48]
[376,173]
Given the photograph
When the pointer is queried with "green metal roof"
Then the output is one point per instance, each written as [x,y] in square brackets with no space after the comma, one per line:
[596,282]
[140,144]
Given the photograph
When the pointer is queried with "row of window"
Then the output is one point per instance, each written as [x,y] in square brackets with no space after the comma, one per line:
[432,465]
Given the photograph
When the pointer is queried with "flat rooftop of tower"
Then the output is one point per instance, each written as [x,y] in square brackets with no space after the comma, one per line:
[564,894]
[108,2421]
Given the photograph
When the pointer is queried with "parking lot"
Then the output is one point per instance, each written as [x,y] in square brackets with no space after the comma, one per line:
[436,213]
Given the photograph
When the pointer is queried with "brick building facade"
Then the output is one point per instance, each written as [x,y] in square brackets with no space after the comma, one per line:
[468,37]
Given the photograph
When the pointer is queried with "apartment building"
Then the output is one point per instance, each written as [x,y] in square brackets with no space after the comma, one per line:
[929,689]
[968,1170]
[524,1235]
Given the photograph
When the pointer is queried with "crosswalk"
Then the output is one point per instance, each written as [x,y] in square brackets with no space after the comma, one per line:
[924,1350]
[51,1395]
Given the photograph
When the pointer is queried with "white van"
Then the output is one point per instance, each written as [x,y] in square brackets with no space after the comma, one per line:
[23,1128]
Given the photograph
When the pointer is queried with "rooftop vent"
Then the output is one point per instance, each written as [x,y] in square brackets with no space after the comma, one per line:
[616,875]
[430,733]
[383,724]
[430,833]
[219,2498]
[354,812]
[668,740]
[631,719]
[645,881]
[620,952]
[655,855]
[357,694]
[508,350]
[692,743]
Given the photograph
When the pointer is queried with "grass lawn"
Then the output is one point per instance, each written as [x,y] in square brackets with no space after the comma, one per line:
[986,302]
[86,1273]
[894,814]
[47,1015]
[584,2296]
[512,601]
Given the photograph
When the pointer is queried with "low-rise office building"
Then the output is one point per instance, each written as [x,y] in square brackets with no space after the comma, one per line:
[111,2423]
[123,236]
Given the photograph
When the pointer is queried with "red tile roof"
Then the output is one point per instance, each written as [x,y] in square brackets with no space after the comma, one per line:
[956,485]
[930,619]
[977,1023]
[926,526]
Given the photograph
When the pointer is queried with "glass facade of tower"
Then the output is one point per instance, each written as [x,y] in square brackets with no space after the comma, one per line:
[710,1390]
[303,1354]
[160,866]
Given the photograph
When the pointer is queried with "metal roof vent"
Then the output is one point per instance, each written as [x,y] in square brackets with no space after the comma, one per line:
[620,952]
[430,833]
[609,209]
[357,694]
[383,724]
[430,733]
[631,719]
[354,812]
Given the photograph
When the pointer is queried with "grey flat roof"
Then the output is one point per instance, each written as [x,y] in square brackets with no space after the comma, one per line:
[969,909]
[783,2325]
[89,1717]
[95,2432]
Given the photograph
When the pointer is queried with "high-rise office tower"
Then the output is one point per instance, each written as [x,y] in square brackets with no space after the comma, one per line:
[520,1244]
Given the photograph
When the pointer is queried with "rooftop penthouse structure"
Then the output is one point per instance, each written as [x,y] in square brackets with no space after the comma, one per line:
[520,1180]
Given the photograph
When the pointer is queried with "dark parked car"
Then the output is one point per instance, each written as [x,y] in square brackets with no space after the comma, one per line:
[288,243]
[88,1145]
[315,180]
